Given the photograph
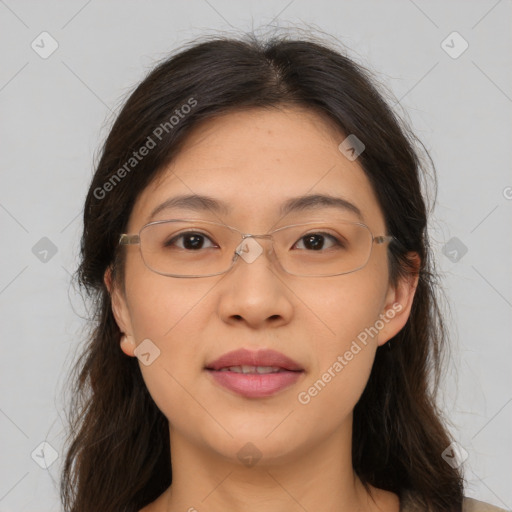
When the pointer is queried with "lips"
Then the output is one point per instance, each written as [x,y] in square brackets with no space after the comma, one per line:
[262,358]
[254,374]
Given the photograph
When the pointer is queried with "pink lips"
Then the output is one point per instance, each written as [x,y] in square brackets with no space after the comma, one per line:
[255,385]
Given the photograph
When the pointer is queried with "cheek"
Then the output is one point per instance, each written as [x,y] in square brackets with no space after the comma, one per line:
[172,314]
[159,306]
[342,307]
[343,348]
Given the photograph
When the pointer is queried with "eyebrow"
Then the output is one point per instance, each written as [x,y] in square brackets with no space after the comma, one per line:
[202,203]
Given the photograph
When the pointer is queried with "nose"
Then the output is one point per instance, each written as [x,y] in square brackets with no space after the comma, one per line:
[253,291]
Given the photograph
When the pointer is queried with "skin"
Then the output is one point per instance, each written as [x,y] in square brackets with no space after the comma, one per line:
[254,161]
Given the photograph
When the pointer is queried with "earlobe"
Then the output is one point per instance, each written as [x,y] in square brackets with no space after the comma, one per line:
[127,344]
[399,302]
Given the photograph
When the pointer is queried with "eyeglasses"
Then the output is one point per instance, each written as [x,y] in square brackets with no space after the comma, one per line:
[200,248]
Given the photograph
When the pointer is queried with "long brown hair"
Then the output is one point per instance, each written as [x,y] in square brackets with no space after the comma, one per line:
[118,456]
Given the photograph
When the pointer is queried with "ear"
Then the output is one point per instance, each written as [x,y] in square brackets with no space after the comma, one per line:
[121,313]
[398,302]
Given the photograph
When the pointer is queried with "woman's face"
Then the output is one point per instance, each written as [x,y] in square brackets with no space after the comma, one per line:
[252,162]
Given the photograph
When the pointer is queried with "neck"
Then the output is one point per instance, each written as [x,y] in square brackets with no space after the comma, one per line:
[319,478]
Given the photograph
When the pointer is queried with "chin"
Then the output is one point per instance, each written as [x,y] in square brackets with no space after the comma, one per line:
[253,440]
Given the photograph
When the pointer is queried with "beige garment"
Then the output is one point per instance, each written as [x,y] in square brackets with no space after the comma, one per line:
[471,505]
[409,503]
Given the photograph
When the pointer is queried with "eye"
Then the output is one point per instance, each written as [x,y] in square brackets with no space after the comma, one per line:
[318,241]
[190,240]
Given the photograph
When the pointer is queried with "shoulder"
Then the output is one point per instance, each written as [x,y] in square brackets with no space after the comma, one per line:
[471,505]
[410,502]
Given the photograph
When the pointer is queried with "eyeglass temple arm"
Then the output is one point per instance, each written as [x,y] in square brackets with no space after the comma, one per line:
[125,239]
[384,238]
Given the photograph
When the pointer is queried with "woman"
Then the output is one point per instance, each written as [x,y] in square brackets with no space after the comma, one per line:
[267,333]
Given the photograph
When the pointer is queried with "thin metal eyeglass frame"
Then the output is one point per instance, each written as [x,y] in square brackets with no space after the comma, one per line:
[134,239]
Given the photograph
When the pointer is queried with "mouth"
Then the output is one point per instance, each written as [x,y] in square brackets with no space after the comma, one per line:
[254,374]
[259,370]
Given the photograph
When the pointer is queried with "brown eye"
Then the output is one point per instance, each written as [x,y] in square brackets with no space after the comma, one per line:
[318,241]
[191,241]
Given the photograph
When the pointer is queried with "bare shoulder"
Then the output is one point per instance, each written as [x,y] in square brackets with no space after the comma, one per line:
[471,505]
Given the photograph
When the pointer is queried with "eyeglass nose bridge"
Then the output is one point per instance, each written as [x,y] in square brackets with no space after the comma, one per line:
[250,251]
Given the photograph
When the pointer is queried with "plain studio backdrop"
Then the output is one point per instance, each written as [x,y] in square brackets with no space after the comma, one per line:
[66,67]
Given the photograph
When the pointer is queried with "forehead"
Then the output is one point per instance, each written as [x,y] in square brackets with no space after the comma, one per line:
[254,161]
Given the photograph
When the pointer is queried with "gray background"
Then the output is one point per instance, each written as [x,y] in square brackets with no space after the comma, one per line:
[55,112]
